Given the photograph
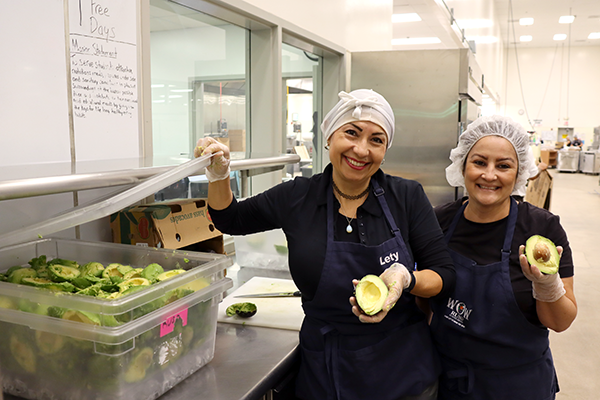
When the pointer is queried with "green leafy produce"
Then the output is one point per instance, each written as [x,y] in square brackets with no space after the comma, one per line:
[63,273]
[244,310]
[38,263]
[17,275]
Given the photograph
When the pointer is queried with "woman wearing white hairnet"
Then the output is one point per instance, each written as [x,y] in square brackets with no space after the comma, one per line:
[347,222]
[492,331]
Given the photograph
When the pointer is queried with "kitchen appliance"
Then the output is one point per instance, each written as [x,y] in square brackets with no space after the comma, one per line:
[568,159]
[589,162]
[435,94]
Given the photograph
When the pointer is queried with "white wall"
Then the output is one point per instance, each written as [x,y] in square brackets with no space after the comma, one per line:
[552,93]
[353,24]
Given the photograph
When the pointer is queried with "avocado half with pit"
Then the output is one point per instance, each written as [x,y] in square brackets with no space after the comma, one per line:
[542,253]
[371,293]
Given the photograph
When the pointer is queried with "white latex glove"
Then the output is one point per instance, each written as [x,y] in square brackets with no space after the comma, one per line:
[397,278]
[219,166]
[546,288]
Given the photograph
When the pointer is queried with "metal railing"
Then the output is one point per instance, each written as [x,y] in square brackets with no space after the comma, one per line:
[21,188]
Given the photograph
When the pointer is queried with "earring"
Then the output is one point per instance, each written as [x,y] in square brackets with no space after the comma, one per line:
[327,147]
[383,161]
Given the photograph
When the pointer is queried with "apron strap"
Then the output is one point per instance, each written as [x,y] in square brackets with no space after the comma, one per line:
[331,340]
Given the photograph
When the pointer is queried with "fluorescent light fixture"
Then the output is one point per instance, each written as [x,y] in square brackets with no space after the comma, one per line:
[407,17]
[560,36]
[182,90]
[566,19]
[483,39]
[526,21]
[175,96]
[594,35]
[416,40]
[474,23]
[526,38]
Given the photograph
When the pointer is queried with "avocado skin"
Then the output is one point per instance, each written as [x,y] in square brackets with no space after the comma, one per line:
[532,250]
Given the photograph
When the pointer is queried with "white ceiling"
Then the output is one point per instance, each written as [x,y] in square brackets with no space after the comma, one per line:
[502,21]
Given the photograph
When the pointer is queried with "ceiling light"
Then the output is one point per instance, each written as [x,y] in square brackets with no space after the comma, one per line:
[474,23]
[566,19]
[526,21]
[560,36]
[417,40]
[407,17]
[594,35]
[526,38]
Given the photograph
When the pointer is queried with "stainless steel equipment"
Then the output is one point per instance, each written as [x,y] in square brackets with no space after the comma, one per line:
[435,94]
[589,162]
[568,160]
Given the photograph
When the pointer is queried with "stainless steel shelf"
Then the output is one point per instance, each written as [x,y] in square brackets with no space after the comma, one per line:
[21,188]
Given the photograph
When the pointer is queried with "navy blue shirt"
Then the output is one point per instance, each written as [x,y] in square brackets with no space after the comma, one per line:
[299,207]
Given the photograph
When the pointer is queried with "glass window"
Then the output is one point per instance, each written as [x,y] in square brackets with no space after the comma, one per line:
[199,74]
[301,73]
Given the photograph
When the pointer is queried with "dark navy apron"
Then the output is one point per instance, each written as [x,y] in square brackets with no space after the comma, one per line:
[489,350]
[343,358]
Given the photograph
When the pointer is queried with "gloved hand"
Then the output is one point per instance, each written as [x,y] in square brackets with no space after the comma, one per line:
[219,166]
[546,288]
[397,278]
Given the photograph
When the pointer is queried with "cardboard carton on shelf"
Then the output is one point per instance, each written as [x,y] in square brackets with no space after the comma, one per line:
[175,224]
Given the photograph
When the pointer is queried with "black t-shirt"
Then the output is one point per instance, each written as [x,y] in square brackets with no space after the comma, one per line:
[482,242]
[299,207]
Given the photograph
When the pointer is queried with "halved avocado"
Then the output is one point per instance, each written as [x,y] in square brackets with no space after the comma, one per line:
[62,273]
[140,363]
[371,293]
[169,274]
[244,310]
[542,253]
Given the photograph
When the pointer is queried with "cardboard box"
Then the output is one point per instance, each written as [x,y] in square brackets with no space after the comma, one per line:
[237,140]
[171,224]
[539,191]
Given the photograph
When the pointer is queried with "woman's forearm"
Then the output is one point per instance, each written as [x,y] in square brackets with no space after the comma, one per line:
[559,315]
[428,283]
[219,194]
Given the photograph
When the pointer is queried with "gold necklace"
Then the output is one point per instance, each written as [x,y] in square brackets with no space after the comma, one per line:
[347,196]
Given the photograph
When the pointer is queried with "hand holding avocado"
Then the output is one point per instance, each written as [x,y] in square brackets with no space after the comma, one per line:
[219,166]
[539,262]
[375,296]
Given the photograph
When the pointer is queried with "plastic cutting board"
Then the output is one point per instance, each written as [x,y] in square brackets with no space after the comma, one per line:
[279,312]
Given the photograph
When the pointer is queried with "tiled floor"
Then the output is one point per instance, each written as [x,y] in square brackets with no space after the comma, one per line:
[576,199]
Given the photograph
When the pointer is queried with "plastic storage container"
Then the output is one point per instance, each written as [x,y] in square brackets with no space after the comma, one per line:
[44,357]
[262,250]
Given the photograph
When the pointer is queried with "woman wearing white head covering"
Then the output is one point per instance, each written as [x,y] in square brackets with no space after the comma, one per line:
[492,331]
[342,224]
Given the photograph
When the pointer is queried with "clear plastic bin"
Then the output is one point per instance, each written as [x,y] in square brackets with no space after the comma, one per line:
[262,250]
[44,357]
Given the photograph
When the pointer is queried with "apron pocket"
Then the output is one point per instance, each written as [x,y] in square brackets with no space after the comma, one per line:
[402,364]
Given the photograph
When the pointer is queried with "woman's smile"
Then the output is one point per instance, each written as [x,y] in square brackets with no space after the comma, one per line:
[355,164]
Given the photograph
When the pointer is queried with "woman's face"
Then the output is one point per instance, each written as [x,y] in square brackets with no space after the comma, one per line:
[491,171]
[356,150]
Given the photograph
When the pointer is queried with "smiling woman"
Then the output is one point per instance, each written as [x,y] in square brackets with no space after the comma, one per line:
[350,221]
[492,331]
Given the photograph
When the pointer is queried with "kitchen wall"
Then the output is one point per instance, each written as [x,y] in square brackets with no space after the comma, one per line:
[554,89]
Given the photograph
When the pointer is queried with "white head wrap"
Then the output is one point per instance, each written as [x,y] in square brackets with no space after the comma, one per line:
[495,125]
[360,105]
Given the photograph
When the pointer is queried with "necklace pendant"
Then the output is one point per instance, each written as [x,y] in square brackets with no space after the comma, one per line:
[349,229]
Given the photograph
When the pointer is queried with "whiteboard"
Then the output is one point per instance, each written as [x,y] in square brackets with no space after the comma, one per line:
[104,84]
[34,118]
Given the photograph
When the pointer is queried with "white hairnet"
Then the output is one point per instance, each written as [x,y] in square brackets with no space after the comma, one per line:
[360,105]
[495,125]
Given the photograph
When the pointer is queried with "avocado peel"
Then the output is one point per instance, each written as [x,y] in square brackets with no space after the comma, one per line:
[243,310]
[542,253]
[371,292]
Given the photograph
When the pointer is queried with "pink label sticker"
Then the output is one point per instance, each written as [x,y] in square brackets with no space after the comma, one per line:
[168,324]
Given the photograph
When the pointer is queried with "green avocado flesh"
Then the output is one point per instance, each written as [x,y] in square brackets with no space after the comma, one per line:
[371,293]
[244,310]
[542,253]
